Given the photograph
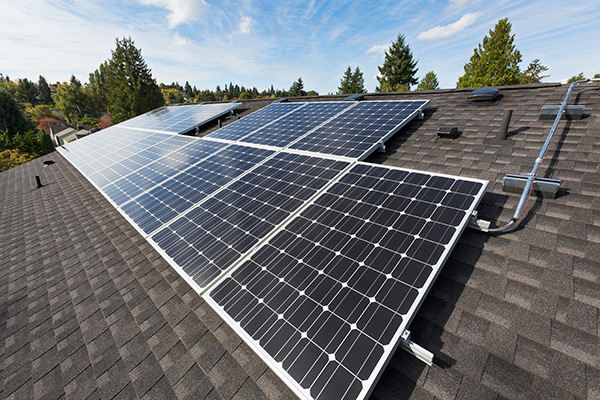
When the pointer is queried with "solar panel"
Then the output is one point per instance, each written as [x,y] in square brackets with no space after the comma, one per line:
[213,235]
[326,299]
[294,125]
[156,207]
[257,119]
[358,132]
[179,119]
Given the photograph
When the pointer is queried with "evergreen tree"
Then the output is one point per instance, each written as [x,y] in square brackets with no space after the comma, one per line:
[188,89]
[26,92]
[346,82]
[297,88]
[358,82]
[533,73]
[12,117]
[399,69]
[576,78]
[129,87]
[430,82]
[495,62]
[45,96]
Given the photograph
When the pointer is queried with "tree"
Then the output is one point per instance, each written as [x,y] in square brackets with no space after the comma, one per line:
[188,90]
[35,114]
[352,82]
[399,69]
[129,87]
[576,78]
[172,96]
[430,82]
[44,123]
[495,62]
[26,92]
[12,117]
[45,96]
[533,73]
[74,103]
[596,75]
[297,88]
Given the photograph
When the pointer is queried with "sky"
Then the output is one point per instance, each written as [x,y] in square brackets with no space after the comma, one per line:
[264,43]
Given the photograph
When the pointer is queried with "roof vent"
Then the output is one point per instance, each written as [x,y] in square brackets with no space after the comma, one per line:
[447,132]
[485,94]
[571,112]
[355,97]
[281,100]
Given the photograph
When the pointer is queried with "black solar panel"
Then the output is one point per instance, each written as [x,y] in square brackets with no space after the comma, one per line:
[213,235]
[296,124]
[238,129]
[357,132]
[156,207]
[179,119]
[327,298]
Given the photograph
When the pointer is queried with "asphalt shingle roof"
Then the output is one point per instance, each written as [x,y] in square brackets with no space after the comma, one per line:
[88,309]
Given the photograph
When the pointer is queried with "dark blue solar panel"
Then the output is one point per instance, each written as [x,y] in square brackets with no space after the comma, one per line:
[328,296]
[257,119]
[155,208]
[211,237]
[357,132]
[294,125]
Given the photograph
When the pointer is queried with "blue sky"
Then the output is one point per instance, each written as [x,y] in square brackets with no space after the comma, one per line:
[254,43]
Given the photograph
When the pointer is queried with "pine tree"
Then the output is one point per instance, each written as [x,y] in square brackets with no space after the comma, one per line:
[399,69]
[188,89]
[129,87]
[297,88]
[358,82]
[576,78]
[533,73]
[26,92]
[74,103]
[495,62]
[430,82]
[346,82]
[45,96]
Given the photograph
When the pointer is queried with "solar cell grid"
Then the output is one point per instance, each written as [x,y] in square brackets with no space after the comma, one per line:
[358,131]
[256,120]
[327,297]
[209,238]
[296,124]
[184,189]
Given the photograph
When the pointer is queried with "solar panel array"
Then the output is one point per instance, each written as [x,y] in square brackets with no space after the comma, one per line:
[317,260]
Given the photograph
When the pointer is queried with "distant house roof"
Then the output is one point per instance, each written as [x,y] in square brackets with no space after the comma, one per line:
[91,309]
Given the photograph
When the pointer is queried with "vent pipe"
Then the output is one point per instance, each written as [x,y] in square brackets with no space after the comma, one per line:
[504,125]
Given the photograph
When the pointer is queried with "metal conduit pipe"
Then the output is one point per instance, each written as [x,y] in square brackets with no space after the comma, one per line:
[533,174]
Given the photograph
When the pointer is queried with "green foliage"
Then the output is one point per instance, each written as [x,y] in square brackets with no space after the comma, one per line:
[430,82]
[495,62]
[399,68]
[596,75]
[244,96]
[45,96]
[74,102]
[172,96]
[12,117]
[33,143]
[13,157]
[297,88]
[26,92]
[352,83]
[35,114]
[533,73]
[576,78]
[127,84]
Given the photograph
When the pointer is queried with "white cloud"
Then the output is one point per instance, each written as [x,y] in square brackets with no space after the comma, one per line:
[443,32]
[244,26]
[378,49]
[181,11]
[180,40]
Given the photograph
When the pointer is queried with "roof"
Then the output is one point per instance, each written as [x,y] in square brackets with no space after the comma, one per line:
[89,309]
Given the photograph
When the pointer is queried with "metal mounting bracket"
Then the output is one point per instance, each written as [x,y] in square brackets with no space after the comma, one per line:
[478,224]
[421,115]
[545,186]
[421,353]
[381,148]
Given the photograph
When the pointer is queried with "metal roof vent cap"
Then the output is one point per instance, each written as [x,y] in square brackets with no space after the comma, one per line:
[354,97]
[485,94]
